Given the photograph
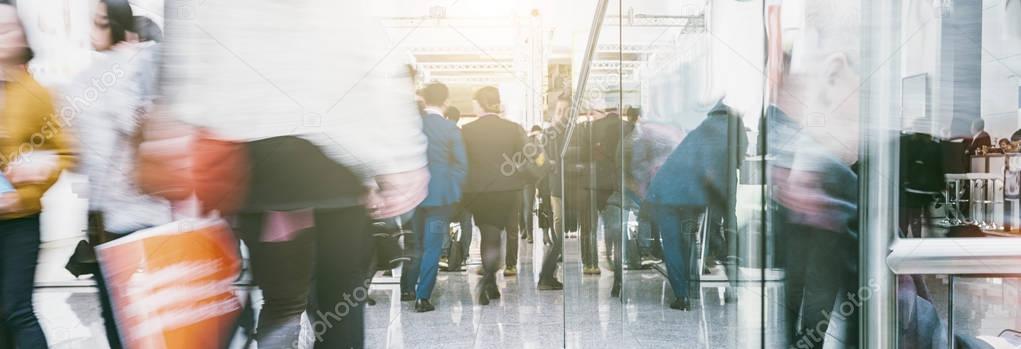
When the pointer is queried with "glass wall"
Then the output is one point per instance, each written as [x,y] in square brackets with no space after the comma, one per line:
[940,105]
[745,168]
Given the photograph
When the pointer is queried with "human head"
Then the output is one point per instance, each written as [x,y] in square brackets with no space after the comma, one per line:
[147,30]
[435,94]
[487,101]
[977,126]
[452,114]
[112,24]
[1004,143]
[536,128]
[14,48]
[820,86]
[563,105]
[633,113]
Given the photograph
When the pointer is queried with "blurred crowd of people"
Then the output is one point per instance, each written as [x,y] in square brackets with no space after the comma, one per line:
[317,196]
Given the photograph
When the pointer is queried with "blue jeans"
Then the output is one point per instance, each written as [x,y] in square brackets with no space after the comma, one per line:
[614,221]
[678,226]
[19,253]
[431,227]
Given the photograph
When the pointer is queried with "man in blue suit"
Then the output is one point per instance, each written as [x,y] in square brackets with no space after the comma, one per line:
[448,167]
[700,175]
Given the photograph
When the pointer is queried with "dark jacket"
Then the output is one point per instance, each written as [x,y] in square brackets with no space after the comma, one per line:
[921,169]
[603,151]
[495,147]
[292,173]
[573,166]
[983,139]
[448,161]
[702,170]
[646,149]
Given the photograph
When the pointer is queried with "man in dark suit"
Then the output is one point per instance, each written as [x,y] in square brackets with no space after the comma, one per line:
[980,138]
[601,180]
[496,158]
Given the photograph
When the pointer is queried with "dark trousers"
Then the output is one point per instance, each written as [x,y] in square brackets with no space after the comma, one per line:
[292,173]
[513,235]
[497,215]
[912,218]
[678,226]
[648,232]
[342,253]
[431,226]
[113,336]
[283,271]
[593,202]
[106,311]
[814,275]
[620,246]
[19,253]
[464,217]
[551,257]
[528,212]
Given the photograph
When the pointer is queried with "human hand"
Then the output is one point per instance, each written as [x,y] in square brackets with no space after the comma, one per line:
[397,193]
[10,202]
[33,168]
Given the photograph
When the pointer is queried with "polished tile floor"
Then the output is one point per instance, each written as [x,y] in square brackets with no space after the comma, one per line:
[583,316]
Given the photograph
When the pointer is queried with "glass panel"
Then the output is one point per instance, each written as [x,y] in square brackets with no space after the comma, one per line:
[922,303]
[809,140]
[940,100]
[593,318]
[692,249]
[959,118]
[986,311]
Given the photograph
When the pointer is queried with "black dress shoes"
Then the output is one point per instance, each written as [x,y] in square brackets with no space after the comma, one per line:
[423,305]
[681,304]
[483,298]
[550,285]
[493,291]
[407,296]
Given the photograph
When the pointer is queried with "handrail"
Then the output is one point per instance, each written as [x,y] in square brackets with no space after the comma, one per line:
[956,256]
[590,51]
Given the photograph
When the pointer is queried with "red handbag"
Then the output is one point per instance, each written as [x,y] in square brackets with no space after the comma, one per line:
[188,160]
[220,172]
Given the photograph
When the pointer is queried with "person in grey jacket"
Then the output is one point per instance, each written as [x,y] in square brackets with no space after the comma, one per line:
[120,79]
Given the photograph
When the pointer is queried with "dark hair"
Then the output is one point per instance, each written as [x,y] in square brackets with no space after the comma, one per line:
[122,20]
[147,29]
[536,128]
[452,114]
[632,113]
[435,94]
[489,99]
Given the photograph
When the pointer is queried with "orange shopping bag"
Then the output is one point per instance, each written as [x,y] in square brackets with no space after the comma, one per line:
[172,286]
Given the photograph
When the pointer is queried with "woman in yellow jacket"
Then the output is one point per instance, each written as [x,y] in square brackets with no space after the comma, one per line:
[33,151]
